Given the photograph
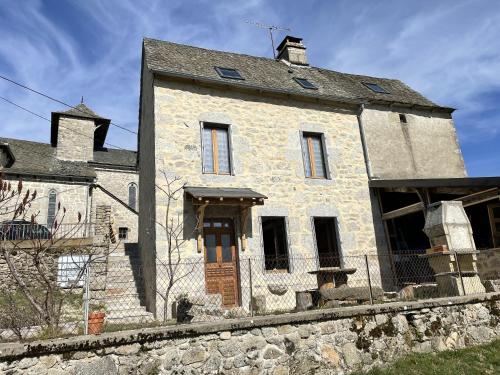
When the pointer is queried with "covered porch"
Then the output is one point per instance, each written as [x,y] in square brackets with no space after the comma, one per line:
[404,204]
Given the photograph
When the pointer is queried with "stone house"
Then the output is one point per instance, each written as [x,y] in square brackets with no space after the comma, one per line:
[282,162]
[77,170]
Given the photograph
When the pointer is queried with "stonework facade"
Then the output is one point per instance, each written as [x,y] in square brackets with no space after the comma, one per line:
[365,135]
[75,139]
[267,157]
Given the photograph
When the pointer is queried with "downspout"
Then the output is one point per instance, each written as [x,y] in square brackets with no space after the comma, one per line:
[363,141]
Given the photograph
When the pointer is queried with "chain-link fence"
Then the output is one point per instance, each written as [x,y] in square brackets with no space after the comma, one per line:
[90,297]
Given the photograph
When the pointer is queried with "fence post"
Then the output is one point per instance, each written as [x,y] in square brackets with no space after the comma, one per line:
[251,286]
[86,300]
[459,272]
[369,280]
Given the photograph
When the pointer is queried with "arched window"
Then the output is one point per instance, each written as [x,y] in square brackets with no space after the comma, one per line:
[132,196]
[51,212]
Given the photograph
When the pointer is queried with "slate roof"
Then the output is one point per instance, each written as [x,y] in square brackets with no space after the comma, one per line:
[40,159]
[116,157]
[168,58]
[206,192]
[81,110]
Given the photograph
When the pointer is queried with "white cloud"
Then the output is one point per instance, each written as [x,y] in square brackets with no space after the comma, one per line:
[448,50]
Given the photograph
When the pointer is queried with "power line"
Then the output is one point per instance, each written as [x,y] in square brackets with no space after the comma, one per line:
[46,119]
[58,101]
[62,126]
[24,109]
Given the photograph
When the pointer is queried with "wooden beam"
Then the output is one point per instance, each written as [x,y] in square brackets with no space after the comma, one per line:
[480,197]
[416,207]
[468,200]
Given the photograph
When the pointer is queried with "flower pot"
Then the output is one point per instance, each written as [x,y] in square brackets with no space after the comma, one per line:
[96,322]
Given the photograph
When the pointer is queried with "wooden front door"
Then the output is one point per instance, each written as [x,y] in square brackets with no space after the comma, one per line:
[221,260]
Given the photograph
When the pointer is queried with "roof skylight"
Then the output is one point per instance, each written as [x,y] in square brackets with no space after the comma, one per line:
[228,73]
[375,88]
[305,83]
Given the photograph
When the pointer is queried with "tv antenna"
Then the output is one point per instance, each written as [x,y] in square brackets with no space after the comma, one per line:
[271,28]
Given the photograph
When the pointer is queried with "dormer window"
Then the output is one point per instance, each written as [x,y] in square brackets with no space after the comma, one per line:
[375,88]
[305,83]
[228,73]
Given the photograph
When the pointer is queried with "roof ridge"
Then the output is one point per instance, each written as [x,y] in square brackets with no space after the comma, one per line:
[211,50]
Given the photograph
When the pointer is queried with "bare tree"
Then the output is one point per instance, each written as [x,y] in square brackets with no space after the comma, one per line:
[35,277]
[175,268]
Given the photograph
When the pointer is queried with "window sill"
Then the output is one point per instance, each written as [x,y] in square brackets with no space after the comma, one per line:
[217,174]
[318,178]
[284,270]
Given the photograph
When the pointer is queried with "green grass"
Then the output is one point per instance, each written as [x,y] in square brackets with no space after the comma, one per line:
[479,360]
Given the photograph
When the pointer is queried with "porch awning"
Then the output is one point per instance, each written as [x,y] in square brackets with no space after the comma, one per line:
[243,198]
[233,195]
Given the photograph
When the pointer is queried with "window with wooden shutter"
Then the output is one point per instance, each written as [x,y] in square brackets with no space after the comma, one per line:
[216,150]
[314,156]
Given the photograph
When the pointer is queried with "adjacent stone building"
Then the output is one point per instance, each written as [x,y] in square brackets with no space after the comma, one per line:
[76,170]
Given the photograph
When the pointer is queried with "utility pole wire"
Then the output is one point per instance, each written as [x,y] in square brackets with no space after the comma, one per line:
[57,100]
[46,119]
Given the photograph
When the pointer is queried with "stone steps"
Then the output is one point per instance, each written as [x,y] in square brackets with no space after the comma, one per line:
[124,295]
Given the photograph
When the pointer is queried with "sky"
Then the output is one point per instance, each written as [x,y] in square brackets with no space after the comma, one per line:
[449,50]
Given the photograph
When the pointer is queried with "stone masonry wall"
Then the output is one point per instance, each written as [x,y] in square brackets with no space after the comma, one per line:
[325,342]
[267,157]
[75,140]
[73,197]
[117,182]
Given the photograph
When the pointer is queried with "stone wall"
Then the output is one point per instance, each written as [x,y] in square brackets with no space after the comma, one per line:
[267,157]
[26,267]
[426,146]
[117,182]
[75,140]
[327,342]
[72,196]
[488,267]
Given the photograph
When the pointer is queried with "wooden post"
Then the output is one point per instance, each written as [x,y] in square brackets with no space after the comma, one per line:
[201,214]
[251,285]
[459,272]
[369,279]
[244,216]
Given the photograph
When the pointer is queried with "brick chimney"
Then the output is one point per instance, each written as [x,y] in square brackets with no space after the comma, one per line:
[292,50]
[77,132]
